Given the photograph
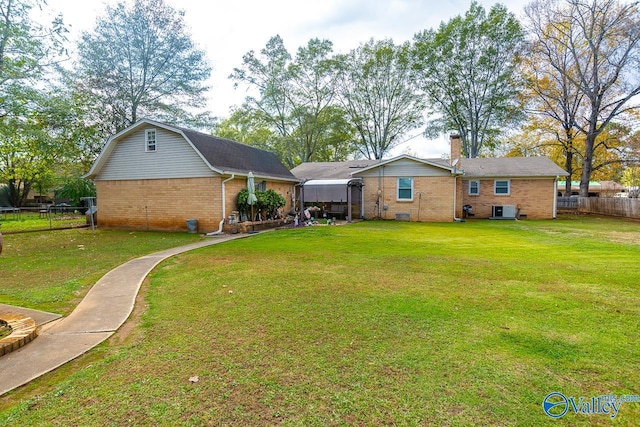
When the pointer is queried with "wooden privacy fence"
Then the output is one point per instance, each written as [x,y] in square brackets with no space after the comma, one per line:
[613,206]
[567,203]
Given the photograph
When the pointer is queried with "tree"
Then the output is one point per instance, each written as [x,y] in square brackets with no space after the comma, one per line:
[249,127]
[295,97]
[27,50]
[540,137]
[378,94]
[30,151]
[468,70]
[631,180]
[549,96]
[140,61]
[601,38]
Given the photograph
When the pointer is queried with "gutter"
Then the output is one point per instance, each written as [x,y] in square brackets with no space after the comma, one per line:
[224,203]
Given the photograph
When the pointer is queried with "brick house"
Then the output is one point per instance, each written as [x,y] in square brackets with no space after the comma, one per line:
[156,176]
[408,188]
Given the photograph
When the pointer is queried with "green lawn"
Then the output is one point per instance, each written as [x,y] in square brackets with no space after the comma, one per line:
[53,270]
[376,323]
[30,221]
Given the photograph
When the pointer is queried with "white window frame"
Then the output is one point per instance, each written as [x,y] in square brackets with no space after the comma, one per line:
[477,192]
[150,144]
[495,187]
[403,199]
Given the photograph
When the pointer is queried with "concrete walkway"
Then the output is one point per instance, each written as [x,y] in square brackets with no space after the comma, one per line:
[102,311]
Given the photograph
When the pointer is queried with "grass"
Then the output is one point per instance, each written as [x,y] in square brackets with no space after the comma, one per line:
[31,221]
[53,270]
[372,324]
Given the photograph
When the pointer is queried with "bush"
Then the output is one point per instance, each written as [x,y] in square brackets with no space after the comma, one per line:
[268,203]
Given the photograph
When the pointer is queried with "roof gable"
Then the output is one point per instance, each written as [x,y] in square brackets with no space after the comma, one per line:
[221,155]
[438,164]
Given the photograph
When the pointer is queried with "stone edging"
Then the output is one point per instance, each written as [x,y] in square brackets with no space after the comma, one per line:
[23,331]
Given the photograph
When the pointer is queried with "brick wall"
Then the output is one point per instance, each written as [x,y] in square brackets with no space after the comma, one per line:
[159,204]
[534,196]
[434,205]
[166,204]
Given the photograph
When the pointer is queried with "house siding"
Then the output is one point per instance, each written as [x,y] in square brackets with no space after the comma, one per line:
[534,197]
[434,205]
[174,158]
[408,168]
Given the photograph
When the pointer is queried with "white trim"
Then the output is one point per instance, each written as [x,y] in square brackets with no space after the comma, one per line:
[508,181]
[147,140]
[477,193]
[398,198]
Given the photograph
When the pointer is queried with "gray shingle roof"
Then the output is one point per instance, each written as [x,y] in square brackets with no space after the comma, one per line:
[330,170]
[341,170]
[231,156]
[510,167]
[473,168]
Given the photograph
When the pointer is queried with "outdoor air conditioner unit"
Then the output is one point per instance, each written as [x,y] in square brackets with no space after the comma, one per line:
[506,211]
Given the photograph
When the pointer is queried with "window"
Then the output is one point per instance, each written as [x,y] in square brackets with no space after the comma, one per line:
[150,140]
[405,189]
[262,186]
[474,188]
[501,187]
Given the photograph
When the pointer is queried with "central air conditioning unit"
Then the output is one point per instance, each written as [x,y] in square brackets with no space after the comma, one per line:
[506,211]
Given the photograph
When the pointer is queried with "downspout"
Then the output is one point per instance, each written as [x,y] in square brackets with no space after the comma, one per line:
[455,196]
[224,203]
[555,197]
[349,201]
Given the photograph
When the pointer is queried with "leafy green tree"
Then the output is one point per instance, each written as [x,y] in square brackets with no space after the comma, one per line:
[27,51]
[74,189]
[379,96]
[249,127]
[38,145]
[294,97]
[468,70]
[140,60]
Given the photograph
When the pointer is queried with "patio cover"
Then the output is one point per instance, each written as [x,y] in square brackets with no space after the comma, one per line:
[327,190]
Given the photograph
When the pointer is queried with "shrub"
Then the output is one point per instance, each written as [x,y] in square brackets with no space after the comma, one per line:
[268,203]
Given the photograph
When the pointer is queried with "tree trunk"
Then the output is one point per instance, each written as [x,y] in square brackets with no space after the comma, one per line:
[568,165]
[587,165]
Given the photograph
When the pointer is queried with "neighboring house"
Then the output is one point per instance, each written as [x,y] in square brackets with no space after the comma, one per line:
[596,188]
[408,188]
[157,176]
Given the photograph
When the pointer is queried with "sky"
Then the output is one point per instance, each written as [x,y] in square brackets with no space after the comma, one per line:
[227,30]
